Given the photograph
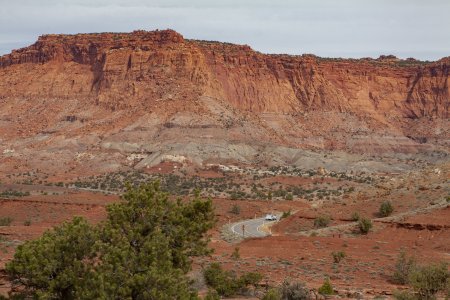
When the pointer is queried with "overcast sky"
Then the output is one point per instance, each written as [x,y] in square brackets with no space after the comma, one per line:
[332,28]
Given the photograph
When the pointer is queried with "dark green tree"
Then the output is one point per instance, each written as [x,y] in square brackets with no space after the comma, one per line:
[142,251]
[55,265]
[147,243]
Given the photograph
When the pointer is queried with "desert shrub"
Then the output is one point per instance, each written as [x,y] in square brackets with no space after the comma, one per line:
[272,294]
[289,196]
[355,216]
[236,255]
[294,291]
[280,193]
[236,194]
[403,268]
[428,280]
[27,223]
[5,221]
[338,256]
[286,214]
[326,288]
[12,193]
[250,279]
[322,221]
[212,295]
[385,209]
[448,289]
[235,210]
[364,225]
[404,295]
[226,283]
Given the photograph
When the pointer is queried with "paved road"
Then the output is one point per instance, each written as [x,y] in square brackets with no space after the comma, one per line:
[252,228]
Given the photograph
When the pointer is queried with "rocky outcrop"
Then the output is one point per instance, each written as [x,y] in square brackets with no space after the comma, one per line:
[88,48]
[127,69]
[419,226]
[298,83]
[156,92]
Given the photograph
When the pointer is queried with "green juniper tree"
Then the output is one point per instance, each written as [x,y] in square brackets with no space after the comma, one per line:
[142,251]
[55,265]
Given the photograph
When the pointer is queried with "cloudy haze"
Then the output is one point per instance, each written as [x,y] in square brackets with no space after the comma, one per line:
[338,28]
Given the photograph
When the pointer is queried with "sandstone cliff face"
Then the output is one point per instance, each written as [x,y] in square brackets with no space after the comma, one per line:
[285,83]
[124,70]
[156,92]
[119,70]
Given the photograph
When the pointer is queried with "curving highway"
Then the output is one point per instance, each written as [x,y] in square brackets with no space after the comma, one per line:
[251,228]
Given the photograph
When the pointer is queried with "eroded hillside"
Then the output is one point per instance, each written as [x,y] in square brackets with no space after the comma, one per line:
[130,99]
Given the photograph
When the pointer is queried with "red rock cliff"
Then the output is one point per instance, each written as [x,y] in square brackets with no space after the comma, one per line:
[122,70]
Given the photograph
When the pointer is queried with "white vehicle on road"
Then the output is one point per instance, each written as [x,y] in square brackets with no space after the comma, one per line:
[270,217]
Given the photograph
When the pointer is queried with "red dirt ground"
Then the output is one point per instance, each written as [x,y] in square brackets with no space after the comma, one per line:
[369,258]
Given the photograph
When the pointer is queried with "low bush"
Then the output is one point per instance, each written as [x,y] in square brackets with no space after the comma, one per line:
[326,288]
[364,225]
[5,221]
[404,295]
[286,214]
[385,209]
[212,295]
[250,279]
[289,196]
[235,210]
[236,255]
[272,294]
[355,216]
[13,193]
[428,280]
[338,256]
[226,283]
[294,291]
[222,281]
[403,268]
[322,221]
